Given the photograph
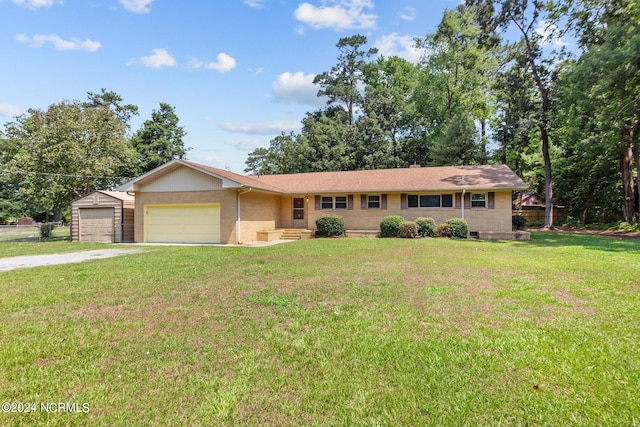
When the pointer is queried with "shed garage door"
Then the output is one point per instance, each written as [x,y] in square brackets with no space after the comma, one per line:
[190,223]
[96,225]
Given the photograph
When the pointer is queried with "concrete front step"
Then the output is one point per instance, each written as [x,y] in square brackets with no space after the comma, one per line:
[285,234]
[291,234]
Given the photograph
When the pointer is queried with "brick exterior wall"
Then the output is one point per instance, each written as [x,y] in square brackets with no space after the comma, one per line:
[479,219]
[259,211]
[264,211]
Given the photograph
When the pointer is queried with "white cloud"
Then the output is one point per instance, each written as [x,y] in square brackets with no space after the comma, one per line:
[265,128]
[397,45]
[34,4]
[343,15]
[8,110]
[297,88]
[256,4]
[547,32]
[160,58]
[59,43]
[246,144]
[137,6]
[223,64]
[408,13]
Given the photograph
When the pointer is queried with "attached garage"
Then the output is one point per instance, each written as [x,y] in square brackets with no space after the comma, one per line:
[103,216]
[182,223]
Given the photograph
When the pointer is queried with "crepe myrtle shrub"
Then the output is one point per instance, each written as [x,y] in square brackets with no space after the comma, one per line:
[443,230]
[459,228]
[426,227]
[390,226]
[518,222]
[330,226]
[408,230]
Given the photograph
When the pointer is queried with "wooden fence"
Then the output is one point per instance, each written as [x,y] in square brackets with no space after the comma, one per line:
[537,214]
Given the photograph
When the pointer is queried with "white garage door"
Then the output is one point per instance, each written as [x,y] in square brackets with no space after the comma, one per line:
[96,225]
[189,223]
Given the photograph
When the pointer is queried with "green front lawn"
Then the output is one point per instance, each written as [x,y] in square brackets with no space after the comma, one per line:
[331,332]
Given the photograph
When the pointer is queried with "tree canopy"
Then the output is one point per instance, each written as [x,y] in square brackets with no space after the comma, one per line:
[50,157]
[560,119]
[567,121]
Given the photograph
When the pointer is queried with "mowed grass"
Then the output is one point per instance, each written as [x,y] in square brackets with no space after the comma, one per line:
[331,332]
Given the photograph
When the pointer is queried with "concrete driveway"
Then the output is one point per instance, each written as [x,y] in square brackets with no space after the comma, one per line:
[27,261]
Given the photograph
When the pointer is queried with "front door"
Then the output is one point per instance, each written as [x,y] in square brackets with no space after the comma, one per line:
[299,220]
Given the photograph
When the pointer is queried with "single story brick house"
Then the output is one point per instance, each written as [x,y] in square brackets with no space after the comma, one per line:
[182,201]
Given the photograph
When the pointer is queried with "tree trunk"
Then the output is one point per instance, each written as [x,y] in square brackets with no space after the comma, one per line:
[626,169]
[548,183]
[483,140]
[636,150]
[636,153]
[543,89]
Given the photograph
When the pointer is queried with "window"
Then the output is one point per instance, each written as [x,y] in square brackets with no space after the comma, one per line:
[327,202]
[373,202]
[430,200]
[478,200]
[330,202]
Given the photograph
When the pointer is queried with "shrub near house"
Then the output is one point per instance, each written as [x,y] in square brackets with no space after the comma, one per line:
[397,226]
[330,226]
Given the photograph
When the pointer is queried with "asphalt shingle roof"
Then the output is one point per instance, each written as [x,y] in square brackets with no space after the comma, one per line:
[445,178]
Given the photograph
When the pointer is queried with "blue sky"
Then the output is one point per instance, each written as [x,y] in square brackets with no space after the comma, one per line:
[238,72]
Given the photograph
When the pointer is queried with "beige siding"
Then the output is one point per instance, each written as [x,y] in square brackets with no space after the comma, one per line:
[182,179]
[128,225]
[479,219]
[91,201]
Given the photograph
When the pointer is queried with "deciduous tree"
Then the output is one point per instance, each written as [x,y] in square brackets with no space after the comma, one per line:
[65,152]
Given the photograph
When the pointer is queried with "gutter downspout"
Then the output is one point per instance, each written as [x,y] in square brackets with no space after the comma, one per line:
[464,191]
[239,192]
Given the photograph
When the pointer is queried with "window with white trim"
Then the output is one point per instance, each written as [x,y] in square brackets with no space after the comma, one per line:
[331,202]
[430,200]
[327,202]
[478,200]
[373,202]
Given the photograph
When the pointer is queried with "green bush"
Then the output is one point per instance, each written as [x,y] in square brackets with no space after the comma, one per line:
[330,226]
[426,227]
[443,230]
[518,222]
[46,230]
[459,228]
[390,226]
[408,230]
